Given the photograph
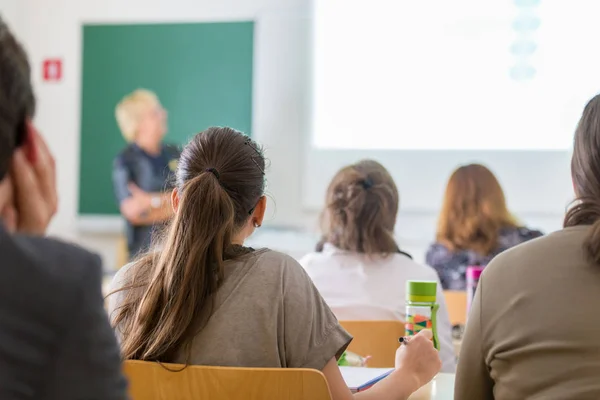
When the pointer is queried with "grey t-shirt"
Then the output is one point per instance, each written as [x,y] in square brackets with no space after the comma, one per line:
[267,313]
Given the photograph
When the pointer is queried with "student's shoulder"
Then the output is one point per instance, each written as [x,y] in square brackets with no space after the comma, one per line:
[121,278]
[407,266]
[540,251]
[527,233]
[267,256]
[438,248]
[66,267]
[513,236]
[276,263]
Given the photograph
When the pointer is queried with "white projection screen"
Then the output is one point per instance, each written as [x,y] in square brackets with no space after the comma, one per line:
[426,86]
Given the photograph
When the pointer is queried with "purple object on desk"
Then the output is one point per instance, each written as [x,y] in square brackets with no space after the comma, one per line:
[473,274]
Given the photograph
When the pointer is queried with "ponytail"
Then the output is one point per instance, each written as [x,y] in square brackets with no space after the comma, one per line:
[360,212]
[587,212]
[182,278]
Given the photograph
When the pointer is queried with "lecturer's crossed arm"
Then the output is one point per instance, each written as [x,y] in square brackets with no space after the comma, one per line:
[137,206]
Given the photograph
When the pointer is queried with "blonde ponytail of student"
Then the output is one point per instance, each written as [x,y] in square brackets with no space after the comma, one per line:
[219,181]
[585,171]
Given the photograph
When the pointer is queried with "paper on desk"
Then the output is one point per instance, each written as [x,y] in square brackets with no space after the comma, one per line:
[356,377]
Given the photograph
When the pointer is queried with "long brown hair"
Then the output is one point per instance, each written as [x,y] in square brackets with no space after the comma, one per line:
[360,212]
[473,211]
[219,182]
[585,171]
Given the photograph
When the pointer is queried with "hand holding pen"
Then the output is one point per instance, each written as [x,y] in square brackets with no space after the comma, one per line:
[417,357]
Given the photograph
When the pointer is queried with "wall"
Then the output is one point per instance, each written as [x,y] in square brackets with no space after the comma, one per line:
[281,103]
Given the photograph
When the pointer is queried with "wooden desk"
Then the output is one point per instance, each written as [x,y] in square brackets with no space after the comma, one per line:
[442,388]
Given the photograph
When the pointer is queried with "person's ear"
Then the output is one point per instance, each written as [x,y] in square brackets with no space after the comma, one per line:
[259,212]
[175,200]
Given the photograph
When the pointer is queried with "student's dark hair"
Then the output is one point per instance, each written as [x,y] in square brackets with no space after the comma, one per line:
[220,179]
[360,212]
[17,103]
[585,171]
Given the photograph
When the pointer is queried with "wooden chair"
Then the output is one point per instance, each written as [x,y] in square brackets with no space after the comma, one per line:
[457,306]
[378,339]
[152,381]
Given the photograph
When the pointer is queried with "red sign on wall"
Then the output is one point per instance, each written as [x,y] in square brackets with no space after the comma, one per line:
[52,70]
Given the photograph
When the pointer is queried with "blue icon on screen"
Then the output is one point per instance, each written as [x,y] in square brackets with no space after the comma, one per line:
[527,3]
[524,47]
[523,72]
[526,23]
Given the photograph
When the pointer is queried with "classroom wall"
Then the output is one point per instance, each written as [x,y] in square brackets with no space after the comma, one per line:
[281,103]
[53,29]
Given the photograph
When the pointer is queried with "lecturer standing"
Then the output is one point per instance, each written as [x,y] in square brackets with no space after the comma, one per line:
[143,171]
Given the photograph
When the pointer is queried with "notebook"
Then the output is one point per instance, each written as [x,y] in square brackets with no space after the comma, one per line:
[360,379]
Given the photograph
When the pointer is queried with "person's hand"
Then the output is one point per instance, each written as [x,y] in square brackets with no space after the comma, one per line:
[8,214]
[418,359]
[142,199]
[33,174]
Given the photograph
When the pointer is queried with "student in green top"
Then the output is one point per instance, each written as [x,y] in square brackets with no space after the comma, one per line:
[207,299]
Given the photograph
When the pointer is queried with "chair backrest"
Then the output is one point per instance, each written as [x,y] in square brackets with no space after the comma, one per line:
[378,339]
[153,381]
[456,301]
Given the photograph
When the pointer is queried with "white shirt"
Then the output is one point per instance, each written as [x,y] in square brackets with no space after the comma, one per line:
[357,287]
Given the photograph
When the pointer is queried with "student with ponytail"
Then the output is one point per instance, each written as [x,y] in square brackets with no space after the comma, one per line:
[358,267]
[533,328]
[206,299]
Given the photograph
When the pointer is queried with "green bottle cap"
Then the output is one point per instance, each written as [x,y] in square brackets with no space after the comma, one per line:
[421,291]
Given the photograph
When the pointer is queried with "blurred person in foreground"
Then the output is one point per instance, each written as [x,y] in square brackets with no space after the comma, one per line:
[474,226]
[533,328]
[55,338]
[143,172]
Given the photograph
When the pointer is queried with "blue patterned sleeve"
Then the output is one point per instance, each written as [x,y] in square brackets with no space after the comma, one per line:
[449,265]
[532,234]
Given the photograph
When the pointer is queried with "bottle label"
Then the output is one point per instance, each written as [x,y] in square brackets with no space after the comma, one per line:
[416,323]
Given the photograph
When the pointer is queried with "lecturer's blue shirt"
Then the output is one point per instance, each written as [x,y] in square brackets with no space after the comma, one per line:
[151,174]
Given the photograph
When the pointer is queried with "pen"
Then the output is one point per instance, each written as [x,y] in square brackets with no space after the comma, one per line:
[403,340]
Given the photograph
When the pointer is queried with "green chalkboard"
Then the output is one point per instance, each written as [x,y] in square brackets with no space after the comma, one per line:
[201,72]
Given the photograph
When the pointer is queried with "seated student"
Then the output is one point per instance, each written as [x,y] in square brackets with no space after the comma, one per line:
[206,299]
[474,225]
[534,327]
[358,268]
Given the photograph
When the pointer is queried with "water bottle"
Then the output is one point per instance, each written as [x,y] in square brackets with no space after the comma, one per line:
[473,274]
[421,308]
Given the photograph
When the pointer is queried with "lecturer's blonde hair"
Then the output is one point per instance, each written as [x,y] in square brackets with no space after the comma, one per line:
[131,109]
